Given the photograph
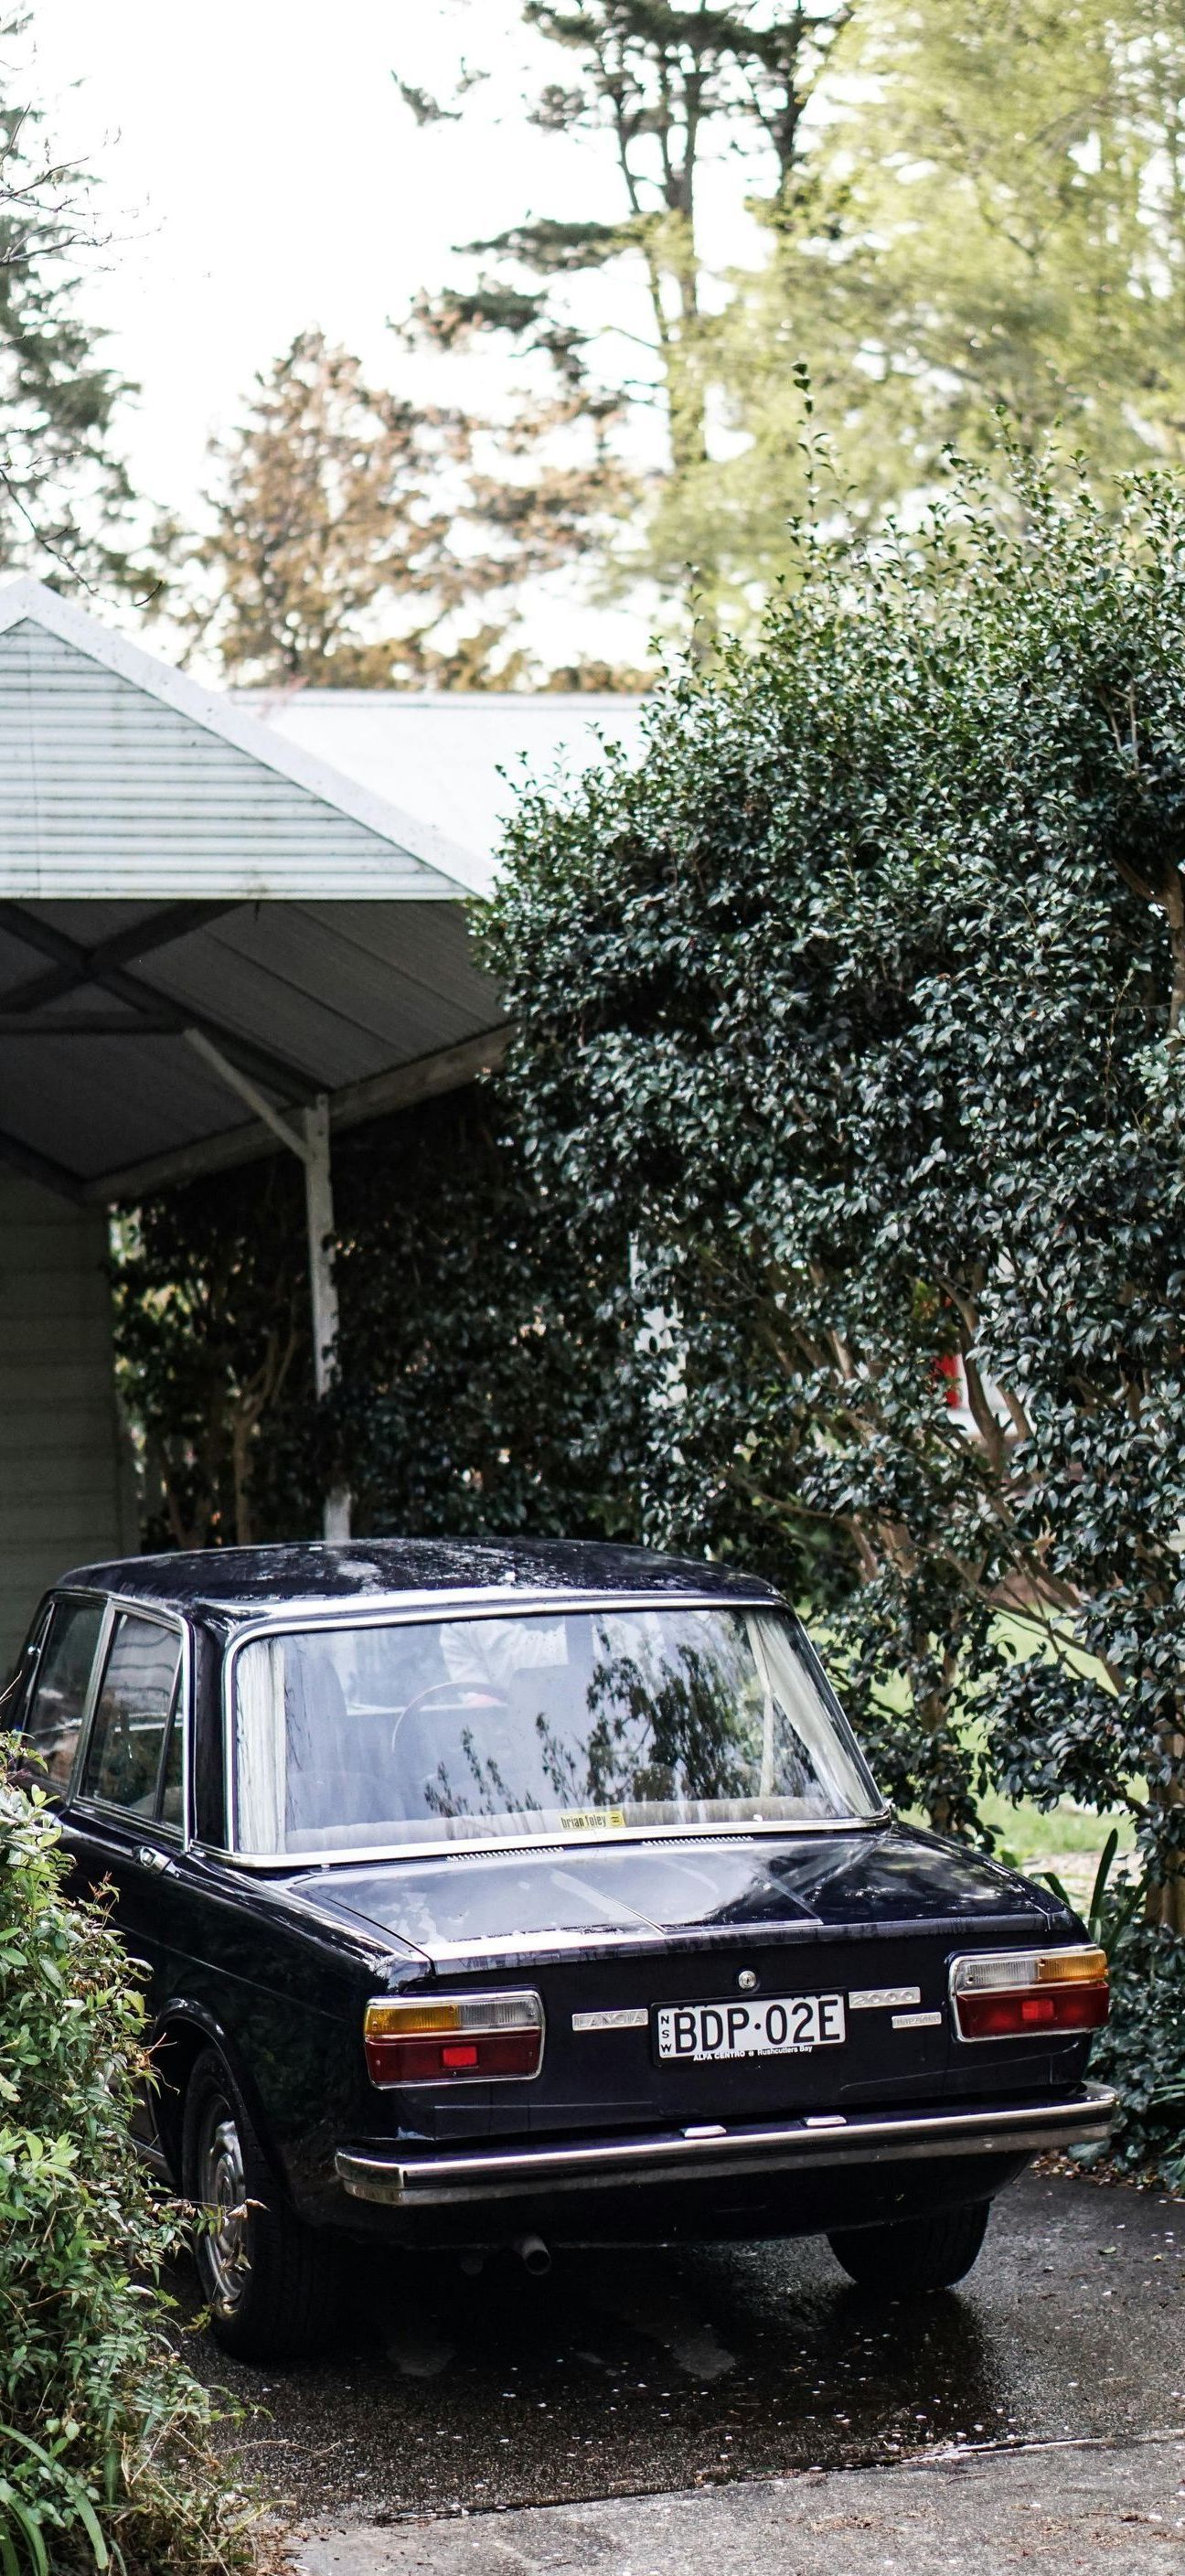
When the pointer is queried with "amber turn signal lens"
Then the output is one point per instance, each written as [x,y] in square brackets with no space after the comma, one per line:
[471,2039]
[1019,1994]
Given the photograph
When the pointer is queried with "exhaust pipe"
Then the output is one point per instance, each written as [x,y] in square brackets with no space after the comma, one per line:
[534,2256]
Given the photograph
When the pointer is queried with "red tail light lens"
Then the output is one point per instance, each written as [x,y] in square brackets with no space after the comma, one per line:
[467,2039]
[1029,1993]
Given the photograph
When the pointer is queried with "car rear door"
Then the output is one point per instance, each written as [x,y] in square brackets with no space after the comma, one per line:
[124,1818]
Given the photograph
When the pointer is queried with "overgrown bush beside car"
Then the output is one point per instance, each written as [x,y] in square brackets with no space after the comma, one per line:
[104,2436]
[1143,2051]
[858,1006]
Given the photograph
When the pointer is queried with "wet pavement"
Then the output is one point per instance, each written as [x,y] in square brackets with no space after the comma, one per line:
[627,2373]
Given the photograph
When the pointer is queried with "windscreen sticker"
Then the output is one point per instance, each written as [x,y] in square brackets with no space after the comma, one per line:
[592,1820]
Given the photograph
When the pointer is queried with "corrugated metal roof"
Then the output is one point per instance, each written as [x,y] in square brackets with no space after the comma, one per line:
[210,906]
[456,757]
[118,775]
[304,998]
[197,917]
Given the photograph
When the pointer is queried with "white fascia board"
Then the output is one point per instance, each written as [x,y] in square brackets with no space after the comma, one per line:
[27,599]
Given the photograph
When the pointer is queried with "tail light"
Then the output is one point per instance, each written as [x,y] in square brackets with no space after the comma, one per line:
[1019,1994]
[454,2039]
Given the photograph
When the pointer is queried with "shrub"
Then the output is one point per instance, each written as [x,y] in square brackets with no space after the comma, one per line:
[859,1007]
[1142,2052]
[105,2457]
[480,1383]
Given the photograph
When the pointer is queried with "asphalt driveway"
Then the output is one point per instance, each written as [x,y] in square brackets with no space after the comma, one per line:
[662,2374]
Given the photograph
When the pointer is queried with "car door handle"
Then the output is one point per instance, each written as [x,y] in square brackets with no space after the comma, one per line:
[152,1859]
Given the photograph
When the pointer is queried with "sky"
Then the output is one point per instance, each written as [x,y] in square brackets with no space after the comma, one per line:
[261,174]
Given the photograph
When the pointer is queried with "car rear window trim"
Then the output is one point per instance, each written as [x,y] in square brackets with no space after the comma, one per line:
[428,1610]
[282,1864]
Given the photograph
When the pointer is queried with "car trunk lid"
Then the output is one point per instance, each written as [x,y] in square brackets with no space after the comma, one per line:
[614,1936]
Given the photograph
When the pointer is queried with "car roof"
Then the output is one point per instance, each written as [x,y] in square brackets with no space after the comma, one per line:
[250,1582]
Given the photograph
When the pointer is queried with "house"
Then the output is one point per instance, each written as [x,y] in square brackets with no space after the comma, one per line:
[229,926]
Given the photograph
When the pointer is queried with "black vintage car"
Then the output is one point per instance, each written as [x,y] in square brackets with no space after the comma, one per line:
[498,1895]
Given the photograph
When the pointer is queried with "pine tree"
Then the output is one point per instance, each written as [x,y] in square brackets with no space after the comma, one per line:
[326,528]
[66,504]
[984,215]
[663,83]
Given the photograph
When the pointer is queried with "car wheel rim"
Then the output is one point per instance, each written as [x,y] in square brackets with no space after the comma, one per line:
[222,2245]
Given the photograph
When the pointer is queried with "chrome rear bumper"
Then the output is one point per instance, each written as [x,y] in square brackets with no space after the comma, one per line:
[419,2180]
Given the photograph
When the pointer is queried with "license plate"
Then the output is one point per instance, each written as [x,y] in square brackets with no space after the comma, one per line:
[780,2026]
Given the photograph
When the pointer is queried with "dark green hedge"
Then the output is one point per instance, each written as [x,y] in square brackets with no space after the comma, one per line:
[484,1384]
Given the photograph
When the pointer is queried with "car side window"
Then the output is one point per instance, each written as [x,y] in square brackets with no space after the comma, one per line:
[58,1698]
[131,1720]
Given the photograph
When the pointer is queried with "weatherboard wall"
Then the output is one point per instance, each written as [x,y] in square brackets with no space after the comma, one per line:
[64,1491]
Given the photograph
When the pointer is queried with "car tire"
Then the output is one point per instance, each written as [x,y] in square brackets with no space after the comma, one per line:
[268,2282]
[912,2257]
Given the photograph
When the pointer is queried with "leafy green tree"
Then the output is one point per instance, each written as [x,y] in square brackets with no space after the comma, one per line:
[965,210]
[483,1377]
[668,86]
[857,1007]
[477,1355]
[992,219]
[66,505]
[214,1357]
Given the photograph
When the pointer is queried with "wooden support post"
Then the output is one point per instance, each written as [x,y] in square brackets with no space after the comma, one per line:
[318,1187]
[310,1143]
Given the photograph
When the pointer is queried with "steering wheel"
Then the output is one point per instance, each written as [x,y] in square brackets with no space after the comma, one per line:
[459,1695]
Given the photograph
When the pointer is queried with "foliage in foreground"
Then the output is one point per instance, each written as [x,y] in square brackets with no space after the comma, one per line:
[1142,2050]
[855,1010]
[105,2454]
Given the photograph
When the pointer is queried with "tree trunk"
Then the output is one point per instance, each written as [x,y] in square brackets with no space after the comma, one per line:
[1164,1901]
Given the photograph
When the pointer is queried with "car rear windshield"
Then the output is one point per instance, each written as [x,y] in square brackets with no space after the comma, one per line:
[527,1728]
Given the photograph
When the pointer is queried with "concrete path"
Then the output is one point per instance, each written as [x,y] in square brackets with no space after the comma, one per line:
[1063,2509]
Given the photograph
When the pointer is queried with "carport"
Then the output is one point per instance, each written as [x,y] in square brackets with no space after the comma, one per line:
[212,946]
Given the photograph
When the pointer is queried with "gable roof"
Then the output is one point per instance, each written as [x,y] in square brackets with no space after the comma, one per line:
[204,928]
[121,776]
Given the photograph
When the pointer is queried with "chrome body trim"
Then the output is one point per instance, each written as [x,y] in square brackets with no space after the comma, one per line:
[495,1601]
[417,2181]
[285,1864]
